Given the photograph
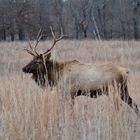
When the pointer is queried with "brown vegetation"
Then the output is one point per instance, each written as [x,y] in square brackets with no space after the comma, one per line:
[29,112]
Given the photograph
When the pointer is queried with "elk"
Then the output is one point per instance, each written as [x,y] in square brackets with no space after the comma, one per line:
[80,79]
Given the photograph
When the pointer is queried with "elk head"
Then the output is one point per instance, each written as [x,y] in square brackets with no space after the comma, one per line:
[38,66]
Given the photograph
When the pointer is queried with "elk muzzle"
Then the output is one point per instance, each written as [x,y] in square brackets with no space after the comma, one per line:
[24,69]
[28,69]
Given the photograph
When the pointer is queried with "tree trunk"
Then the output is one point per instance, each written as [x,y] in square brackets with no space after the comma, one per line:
[4,34]
[21,35]
[135,26]
[104,22]
[12,37]
[76,30]
[85,33]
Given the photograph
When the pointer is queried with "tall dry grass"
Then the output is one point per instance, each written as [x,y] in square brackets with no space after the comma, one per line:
[28,112]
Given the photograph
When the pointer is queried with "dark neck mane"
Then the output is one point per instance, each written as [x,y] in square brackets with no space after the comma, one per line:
[54,69]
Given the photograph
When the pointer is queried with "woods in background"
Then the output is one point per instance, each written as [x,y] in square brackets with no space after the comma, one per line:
[96,19]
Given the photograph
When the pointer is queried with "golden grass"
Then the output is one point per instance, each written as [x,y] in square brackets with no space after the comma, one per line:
[28,112]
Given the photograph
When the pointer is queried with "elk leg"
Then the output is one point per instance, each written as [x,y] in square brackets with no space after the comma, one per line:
[75,94]
[95,93]
[127,99]
[79,93]
[99,92]
[105,90]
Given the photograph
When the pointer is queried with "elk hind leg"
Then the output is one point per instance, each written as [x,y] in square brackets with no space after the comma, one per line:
[127,99]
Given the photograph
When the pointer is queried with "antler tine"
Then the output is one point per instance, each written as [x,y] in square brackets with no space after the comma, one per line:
[30,52]
[52,32]
[55,40]
[62,35]
[30,46]
[39,35]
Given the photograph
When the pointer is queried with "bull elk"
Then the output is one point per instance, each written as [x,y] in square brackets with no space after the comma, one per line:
[81,79]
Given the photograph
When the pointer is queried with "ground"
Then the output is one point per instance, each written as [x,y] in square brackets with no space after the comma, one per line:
[28,112]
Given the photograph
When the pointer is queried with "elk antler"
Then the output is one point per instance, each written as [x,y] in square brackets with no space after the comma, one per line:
[32,50]
[55,40]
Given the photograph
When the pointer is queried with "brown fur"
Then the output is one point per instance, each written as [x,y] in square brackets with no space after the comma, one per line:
[80,79]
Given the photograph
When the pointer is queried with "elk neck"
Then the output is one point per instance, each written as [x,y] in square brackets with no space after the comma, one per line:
[54,70]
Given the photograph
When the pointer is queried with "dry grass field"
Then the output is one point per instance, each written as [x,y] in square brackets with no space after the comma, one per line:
[28,112]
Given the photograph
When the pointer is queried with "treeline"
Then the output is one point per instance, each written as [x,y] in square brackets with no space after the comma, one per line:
[97,19]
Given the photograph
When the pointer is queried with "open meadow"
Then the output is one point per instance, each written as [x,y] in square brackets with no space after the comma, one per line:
[28,112]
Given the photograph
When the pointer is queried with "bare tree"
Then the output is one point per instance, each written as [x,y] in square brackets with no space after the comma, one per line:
[80,11]
[105,19]
[136,15]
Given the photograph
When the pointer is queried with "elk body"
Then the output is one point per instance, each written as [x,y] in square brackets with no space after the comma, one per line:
[78,78]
